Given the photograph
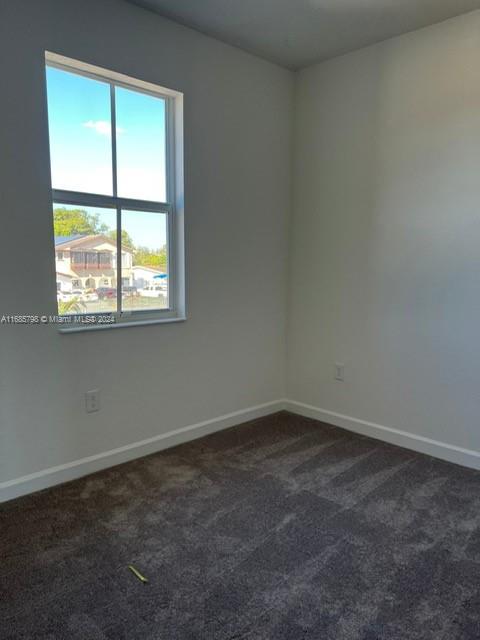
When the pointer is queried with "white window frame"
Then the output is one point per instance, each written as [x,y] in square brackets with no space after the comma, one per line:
[173,207]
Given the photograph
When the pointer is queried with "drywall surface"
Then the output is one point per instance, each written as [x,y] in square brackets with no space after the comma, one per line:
[230,353]
[385,269]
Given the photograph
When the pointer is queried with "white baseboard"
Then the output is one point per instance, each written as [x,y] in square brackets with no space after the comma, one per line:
[435,448]
[78,468]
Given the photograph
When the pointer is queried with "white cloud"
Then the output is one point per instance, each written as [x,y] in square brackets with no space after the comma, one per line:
[102,127]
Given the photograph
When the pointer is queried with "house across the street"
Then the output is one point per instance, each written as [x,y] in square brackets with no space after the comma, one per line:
[89,262]
[145,276]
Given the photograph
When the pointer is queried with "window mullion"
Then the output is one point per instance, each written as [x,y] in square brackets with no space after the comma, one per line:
[119,260]
[97,200]
[113,115]
[113,111]
[170,261]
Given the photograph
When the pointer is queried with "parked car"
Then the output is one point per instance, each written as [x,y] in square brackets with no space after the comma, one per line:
[106,292]
[130,292]
[64,296]
[86,295]
[154,291]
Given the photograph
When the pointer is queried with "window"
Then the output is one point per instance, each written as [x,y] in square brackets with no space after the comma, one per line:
[117,186]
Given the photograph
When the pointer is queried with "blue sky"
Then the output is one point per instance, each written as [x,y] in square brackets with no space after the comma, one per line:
[80,146]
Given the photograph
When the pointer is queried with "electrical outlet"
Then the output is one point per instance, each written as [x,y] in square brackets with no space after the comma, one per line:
[339,371]
[92,401]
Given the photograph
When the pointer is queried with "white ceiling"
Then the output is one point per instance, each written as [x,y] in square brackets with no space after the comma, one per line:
[296,33]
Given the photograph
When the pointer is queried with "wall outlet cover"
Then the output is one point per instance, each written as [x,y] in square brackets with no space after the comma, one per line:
[92,401]
[339,371]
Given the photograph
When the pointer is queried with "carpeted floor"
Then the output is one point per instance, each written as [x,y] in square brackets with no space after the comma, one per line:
[282,528]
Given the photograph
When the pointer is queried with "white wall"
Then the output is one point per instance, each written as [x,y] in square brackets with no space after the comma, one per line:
[385,270]
[230,354]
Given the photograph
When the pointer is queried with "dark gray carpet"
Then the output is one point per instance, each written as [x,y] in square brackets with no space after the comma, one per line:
[283,528]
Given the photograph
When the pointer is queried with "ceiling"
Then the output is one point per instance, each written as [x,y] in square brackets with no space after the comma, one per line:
[296,33]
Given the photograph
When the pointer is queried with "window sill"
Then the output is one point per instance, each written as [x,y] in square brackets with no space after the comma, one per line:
[78,328]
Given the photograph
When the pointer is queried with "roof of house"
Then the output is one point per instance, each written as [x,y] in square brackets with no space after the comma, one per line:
[67,242]
[67,239]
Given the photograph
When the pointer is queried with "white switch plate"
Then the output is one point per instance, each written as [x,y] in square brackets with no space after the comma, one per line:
[92,401]
[339,371]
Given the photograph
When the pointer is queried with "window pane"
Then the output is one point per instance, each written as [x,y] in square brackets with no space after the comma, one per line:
[85,259]
[80,132]
[140,145]
[145,274]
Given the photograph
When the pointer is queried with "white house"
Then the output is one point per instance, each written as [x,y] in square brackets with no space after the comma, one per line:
[143,276]
[89,262]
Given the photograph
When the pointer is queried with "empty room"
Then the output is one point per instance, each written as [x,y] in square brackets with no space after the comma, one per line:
[239,320]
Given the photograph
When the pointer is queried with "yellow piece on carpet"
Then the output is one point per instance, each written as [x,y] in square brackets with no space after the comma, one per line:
[137,573]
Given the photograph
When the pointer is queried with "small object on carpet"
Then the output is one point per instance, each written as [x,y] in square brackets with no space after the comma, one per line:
[138,574]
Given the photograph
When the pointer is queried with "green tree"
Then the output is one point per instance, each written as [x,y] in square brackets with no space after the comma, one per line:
[154,258]
[126,239]
[69,222]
